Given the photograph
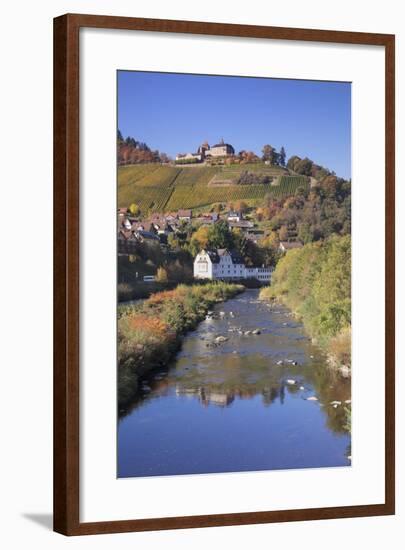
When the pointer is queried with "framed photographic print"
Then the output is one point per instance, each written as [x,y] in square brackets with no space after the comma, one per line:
[224,298]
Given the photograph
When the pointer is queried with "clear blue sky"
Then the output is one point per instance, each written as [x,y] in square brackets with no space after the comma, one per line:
[175,113]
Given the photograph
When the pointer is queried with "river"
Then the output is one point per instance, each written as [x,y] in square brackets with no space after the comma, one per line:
[253,402]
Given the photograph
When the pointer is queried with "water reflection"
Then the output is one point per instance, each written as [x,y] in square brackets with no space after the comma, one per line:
[248,351]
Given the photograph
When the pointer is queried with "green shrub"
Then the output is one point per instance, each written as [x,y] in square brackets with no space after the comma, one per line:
[315,282]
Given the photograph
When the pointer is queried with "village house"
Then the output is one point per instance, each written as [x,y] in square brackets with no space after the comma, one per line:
[223,264]
[122,212]
[234,216]
[193,157]
[284,246]
[161,225]
[184,215]
[255,235]
[245,225]
[158,225]
[146,235]
[126,223]
[127,242]
[146,225]
[171,217]
[207,218]
[165,229]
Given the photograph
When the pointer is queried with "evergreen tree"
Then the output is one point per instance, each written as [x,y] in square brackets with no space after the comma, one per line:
[282,156]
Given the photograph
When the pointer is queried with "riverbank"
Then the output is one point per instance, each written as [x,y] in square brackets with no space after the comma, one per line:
[150,334]
[315,283]
[140,290]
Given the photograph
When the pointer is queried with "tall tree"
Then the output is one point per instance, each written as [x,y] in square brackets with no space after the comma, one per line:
[283,233]
[269,153]
[220,236]
[240,206]
[282,156]
[161,275]
[199,240]
[304,166]
[293,161]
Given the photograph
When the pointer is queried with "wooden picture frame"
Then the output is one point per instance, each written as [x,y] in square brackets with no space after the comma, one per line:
[67,283]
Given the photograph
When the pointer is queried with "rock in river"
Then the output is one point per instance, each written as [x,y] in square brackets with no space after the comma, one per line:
[220,339]
[344,371]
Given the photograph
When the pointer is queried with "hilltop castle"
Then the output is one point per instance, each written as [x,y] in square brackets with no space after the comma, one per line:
[204,151]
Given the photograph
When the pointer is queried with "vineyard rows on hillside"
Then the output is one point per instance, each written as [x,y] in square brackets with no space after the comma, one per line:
[148,175]
[157,188]
[149,199]
[291,183]
[196,176]
[131,173]
[235,170]
[197,196]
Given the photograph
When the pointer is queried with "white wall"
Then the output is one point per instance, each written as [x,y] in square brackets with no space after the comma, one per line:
[26,182]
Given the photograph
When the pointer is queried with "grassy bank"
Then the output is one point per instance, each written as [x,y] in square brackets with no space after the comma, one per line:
[150,334]
[315,283]
[140,290]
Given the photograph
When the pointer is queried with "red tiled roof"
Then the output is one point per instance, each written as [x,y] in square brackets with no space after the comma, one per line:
[184,213]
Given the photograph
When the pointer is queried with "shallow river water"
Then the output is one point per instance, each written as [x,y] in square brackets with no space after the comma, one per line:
[241,405]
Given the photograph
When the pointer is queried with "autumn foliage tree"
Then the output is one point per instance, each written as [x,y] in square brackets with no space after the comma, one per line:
[248,156]
[134,209]
[240,206]
[131,151]
[199,240]
[311,214]
[161,275]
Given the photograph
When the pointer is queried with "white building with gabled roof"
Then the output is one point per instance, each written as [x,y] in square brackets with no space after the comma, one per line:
[222,264]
